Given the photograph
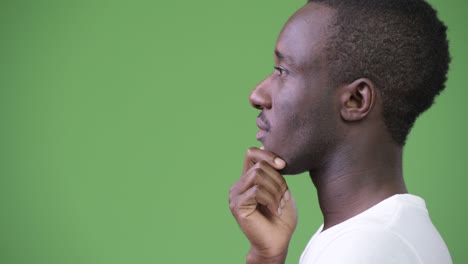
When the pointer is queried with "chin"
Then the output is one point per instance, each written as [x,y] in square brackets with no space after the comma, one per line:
[288,170]
[293,164]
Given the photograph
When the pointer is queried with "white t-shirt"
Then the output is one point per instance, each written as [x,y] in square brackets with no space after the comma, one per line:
[396,230]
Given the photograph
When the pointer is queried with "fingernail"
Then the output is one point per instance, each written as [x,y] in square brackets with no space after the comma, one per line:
[279,162]
[287,196]
[279,210]
[282,203]
[262,147]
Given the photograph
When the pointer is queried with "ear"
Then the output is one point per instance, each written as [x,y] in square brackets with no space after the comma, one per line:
[357,99]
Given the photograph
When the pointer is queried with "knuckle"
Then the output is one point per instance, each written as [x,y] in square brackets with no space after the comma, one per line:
[231,189]
[250,151]
[263,164]
[255,190]
[257,171]
[259,192]
[257,176]
[232,206]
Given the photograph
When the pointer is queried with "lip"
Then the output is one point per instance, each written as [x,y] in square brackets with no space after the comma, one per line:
[263,128]
[260,134]
[262,125]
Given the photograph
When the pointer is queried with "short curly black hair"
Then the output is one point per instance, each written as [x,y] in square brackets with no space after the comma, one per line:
[400,45]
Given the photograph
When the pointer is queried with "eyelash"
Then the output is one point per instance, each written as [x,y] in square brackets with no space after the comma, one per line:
[280,70]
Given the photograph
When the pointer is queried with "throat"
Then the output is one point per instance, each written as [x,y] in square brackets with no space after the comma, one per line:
[346,195]
[358,173]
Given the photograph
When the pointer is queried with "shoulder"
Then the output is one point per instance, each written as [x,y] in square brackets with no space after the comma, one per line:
[367,245]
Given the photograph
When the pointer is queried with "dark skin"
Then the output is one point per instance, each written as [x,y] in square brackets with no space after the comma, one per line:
[336,133]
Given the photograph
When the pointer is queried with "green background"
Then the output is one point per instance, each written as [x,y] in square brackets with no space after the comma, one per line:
[124,123]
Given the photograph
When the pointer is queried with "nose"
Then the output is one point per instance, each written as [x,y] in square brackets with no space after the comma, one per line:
[260,97]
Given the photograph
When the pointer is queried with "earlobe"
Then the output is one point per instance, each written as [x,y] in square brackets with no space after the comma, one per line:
[356,99]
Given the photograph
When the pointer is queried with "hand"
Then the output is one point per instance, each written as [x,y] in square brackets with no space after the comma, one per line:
[263,206]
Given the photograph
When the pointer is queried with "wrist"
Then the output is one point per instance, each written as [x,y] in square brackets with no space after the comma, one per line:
[255,258]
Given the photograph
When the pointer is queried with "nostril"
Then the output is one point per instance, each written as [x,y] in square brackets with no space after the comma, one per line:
[259,98]
[259,103]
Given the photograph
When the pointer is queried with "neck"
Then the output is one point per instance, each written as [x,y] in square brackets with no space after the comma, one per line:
[356,179]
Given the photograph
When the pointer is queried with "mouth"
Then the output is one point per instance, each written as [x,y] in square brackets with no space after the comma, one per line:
[260,135]
[263,125]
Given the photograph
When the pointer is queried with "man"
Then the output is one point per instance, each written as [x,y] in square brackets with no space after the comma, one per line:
[350,79]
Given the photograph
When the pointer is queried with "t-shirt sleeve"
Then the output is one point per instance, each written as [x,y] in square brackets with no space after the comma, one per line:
[367,247]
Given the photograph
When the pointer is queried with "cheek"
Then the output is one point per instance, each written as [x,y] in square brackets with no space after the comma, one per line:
[295,111]
[304,117]
[291,130]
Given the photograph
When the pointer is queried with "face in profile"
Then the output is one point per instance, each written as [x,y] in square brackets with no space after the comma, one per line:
[298,118]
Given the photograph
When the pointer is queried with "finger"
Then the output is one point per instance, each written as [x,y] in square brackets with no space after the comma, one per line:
[263,175]
[287,195]
[257,176]
[274,175]
[259,196]
[246,203]
[285,199]
[255,155]
[267,199]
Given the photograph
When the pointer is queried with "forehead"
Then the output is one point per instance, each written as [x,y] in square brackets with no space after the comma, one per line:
[303,36]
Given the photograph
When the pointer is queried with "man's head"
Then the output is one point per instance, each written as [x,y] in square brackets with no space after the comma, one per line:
[349,67]
[295,99]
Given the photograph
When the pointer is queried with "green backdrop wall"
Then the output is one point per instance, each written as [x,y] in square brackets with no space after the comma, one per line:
[124,123]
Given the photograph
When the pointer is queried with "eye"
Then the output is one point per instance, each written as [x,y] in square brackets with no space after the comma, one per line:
[280,70]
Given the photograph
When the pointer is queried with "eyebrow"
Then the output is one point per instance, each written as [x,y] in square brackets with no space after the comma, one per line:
[279,55]
[282,56]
